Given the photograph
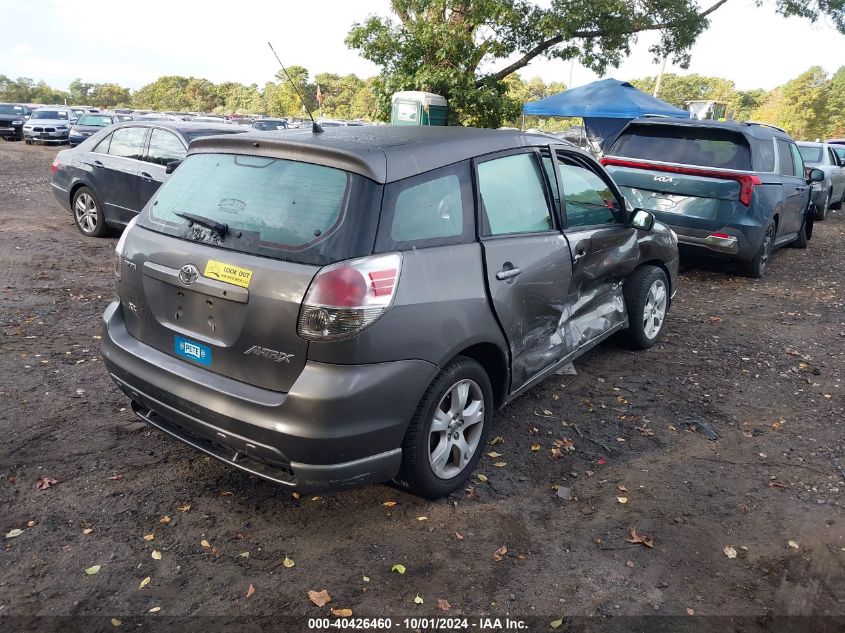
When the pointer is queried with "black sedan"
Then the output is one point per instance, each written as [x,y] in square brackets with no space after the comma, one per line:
[12,118]
[110,176]
[91,123]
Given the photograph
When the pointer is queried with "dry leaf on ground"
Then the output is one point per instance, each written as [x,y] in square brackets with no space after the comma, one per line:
[342,613]
[729,551]
[500,553]
[645,539]
[288,562]
[319,598]
[443,604]
[250,591]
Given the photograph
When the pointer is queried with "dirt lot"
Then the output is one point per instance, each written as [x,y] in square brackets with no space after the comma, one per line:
[761,362]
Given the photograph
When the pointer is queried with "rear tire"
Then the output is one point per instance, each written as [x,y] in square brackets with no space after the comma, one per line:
[647,302]
[804,234]
[88,213]
[756,268]
[448,431]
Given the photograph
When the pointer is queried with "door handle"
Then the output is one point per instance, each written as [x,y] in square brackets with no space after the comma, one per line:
[510,273]
[146,176]
[579,254]
[98,164]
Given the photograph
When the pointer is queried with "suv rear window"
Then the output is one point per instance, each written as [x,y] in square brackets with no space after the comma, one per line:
[273,207]
[685,145]
[811,153]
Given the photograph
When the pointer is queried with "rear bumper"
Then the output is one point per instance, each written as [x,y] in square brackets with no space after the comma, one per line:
[339,426]
[736,242]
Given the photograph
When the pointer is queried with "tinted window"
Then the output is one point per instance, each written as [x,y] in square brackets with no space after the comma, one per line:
[784,157]
[431,209]
[686,145]
[589,199]
[811,153]
[10,109]
[797,161]
[274,207]
[513,195]
[840,152]
[50,114]
[164,148]
[764,155]
[128,142]
[103,146]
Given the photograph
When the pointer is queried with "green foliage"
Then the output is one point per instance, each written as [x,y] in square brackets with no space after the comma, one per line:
[449,46]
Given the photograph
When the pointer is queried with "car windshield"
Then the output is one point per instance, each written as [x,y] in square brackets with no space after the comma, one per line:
[273,207]
[53,115]
[10,109]
[98,120]
[685,145]
[811,153]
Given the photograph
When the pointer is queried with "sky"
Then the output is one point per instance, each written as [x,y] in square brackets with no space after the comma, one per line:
[133,43]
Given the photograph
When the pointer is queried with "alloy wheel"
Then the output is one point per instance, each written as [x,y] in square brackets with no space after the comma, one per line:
[456,429]
[85,212]
[654,311]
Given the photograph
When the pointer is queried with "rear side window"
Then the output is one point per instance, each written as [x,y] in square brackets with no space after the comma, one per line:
[686,145]
[513,195]
[764,155]
[164,147]
[784,158]
[431,209]
[273,207]
[103,146]
[128,142]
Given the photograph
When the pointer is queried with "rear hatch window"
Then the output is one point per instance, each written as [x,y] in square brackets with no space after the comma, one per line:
[685,145]
[272,207]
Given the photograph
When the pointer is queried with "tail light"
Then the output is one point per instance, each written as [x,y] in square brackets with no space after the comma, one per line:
[746,182]
[348,297]
[55,166]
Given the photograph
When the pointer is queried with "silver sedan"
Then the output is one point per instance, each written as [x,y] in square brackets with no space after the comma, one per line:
[829,193]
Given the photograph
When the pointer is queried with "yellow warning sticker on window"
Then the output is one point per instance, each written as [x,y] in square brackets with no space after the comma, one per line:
[228,273]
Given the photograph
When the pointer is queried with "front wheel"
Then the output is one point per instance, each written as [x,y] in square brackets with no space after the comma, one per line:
[448,431]
[647,301]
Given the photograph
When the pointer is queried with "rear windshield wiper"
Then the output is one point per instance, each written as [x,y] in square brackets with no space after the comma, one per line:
[214,225]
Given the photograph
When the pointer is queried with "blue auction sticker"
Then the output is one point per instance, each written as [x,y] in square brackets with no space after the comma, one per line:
[192,350]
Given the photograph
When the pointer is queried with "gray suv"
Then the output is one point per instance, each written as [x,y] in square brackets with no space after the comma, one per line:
[329,310]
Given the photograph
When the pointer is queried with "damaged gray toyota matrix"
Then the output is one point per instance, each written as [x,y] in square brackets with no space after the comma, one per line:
[329,310]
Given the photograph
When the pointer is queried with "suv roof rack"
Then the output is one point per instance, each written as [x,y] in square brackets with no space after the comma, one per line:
[774,127]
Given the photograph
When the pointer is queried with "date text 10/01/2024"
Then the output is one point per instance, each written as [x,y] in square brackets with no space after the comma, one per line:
[419,623]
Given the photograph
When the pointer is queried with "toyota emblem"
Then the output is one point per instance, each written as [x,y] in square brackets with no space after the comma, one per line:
[188,274]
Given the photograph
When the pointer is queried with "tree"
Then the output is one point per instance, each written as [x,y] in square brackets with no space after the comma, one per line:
[109,95]
[281,97]
[836,105]
[447,46]
[80,92]
[800,106]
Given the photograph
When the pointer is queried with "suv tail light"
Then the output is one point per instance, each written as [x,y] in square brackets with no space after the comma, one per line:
[347,297]
[747,182]
[55,166]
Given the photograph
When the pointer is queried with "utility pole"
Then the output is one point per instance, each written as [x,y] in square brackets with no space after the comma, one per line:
[659,81]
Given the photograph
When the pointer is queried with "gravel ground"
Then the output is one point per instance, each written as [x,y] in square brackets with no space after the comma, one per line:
[748,524]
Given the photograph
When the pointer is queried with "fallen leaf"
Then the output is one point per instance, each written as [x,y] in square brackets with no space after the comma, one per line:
[144,582]
[295,495]
[729,551]
[561,446]
[31,523]
[690,612]
[481,477]
[497,440]
[418,599]
[602,461]
[205,543]
[622,488]
[556,624]
[319,598]
[778,484]
[116,477]
[500,553]
[443,604]
[156,554]
[164,520]
[250,591]
[777,424]
[288,562]
[342,613]
[399,568]
[622,499]
[14,533]
[154,610]
[45,482]
[630,563]
[389,504]
[149,537]
[422,518]
[494,454]
[92,570]
[316,498]
[471,493]
[184,508]
[793,545]
[535,447]
[459,536]
[115,622]
[715,319]
[500,464]
[226,493]
[87,530]
[365,578]
[645,539]
[244,554]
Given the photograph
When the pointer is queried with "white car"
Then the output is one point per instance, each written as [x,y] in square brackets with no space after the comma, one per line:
[50,124]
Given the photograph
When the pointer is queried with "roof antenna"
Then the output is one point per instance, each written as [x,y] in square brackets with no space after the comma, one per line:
[315,127]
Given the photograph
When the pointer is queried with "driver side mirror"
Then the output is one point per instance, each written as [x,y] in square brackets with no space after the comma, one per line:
[815,175]
[642,220]
[171,166]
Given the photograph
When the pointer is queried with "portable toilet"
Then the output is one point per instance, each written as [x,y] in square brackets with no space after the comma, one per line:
[411,107]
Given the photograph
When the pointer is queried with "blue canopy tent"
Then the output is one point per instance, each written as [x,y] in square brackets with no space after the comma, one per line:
[606,107]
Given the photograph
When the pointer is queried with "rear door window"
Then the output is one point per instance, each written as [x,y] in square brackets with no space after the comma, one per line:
[128,142]
[164,148]
[273,207]
[431,209]
[764,156]
[797,160]
[784,158]
[686,145]
[513,195]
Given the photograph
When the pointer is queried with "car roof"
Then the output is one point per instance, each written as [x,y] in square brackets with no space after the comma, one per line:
[810,144]
[761,131]
[381,153]
[182,127]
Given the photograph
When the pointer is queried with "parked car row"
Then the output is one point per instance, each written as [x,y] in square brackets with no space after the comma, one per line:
[281,303]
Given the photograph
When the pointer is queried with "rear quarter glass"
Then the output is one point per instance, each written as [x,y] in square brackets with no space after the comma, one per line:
[297,211]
